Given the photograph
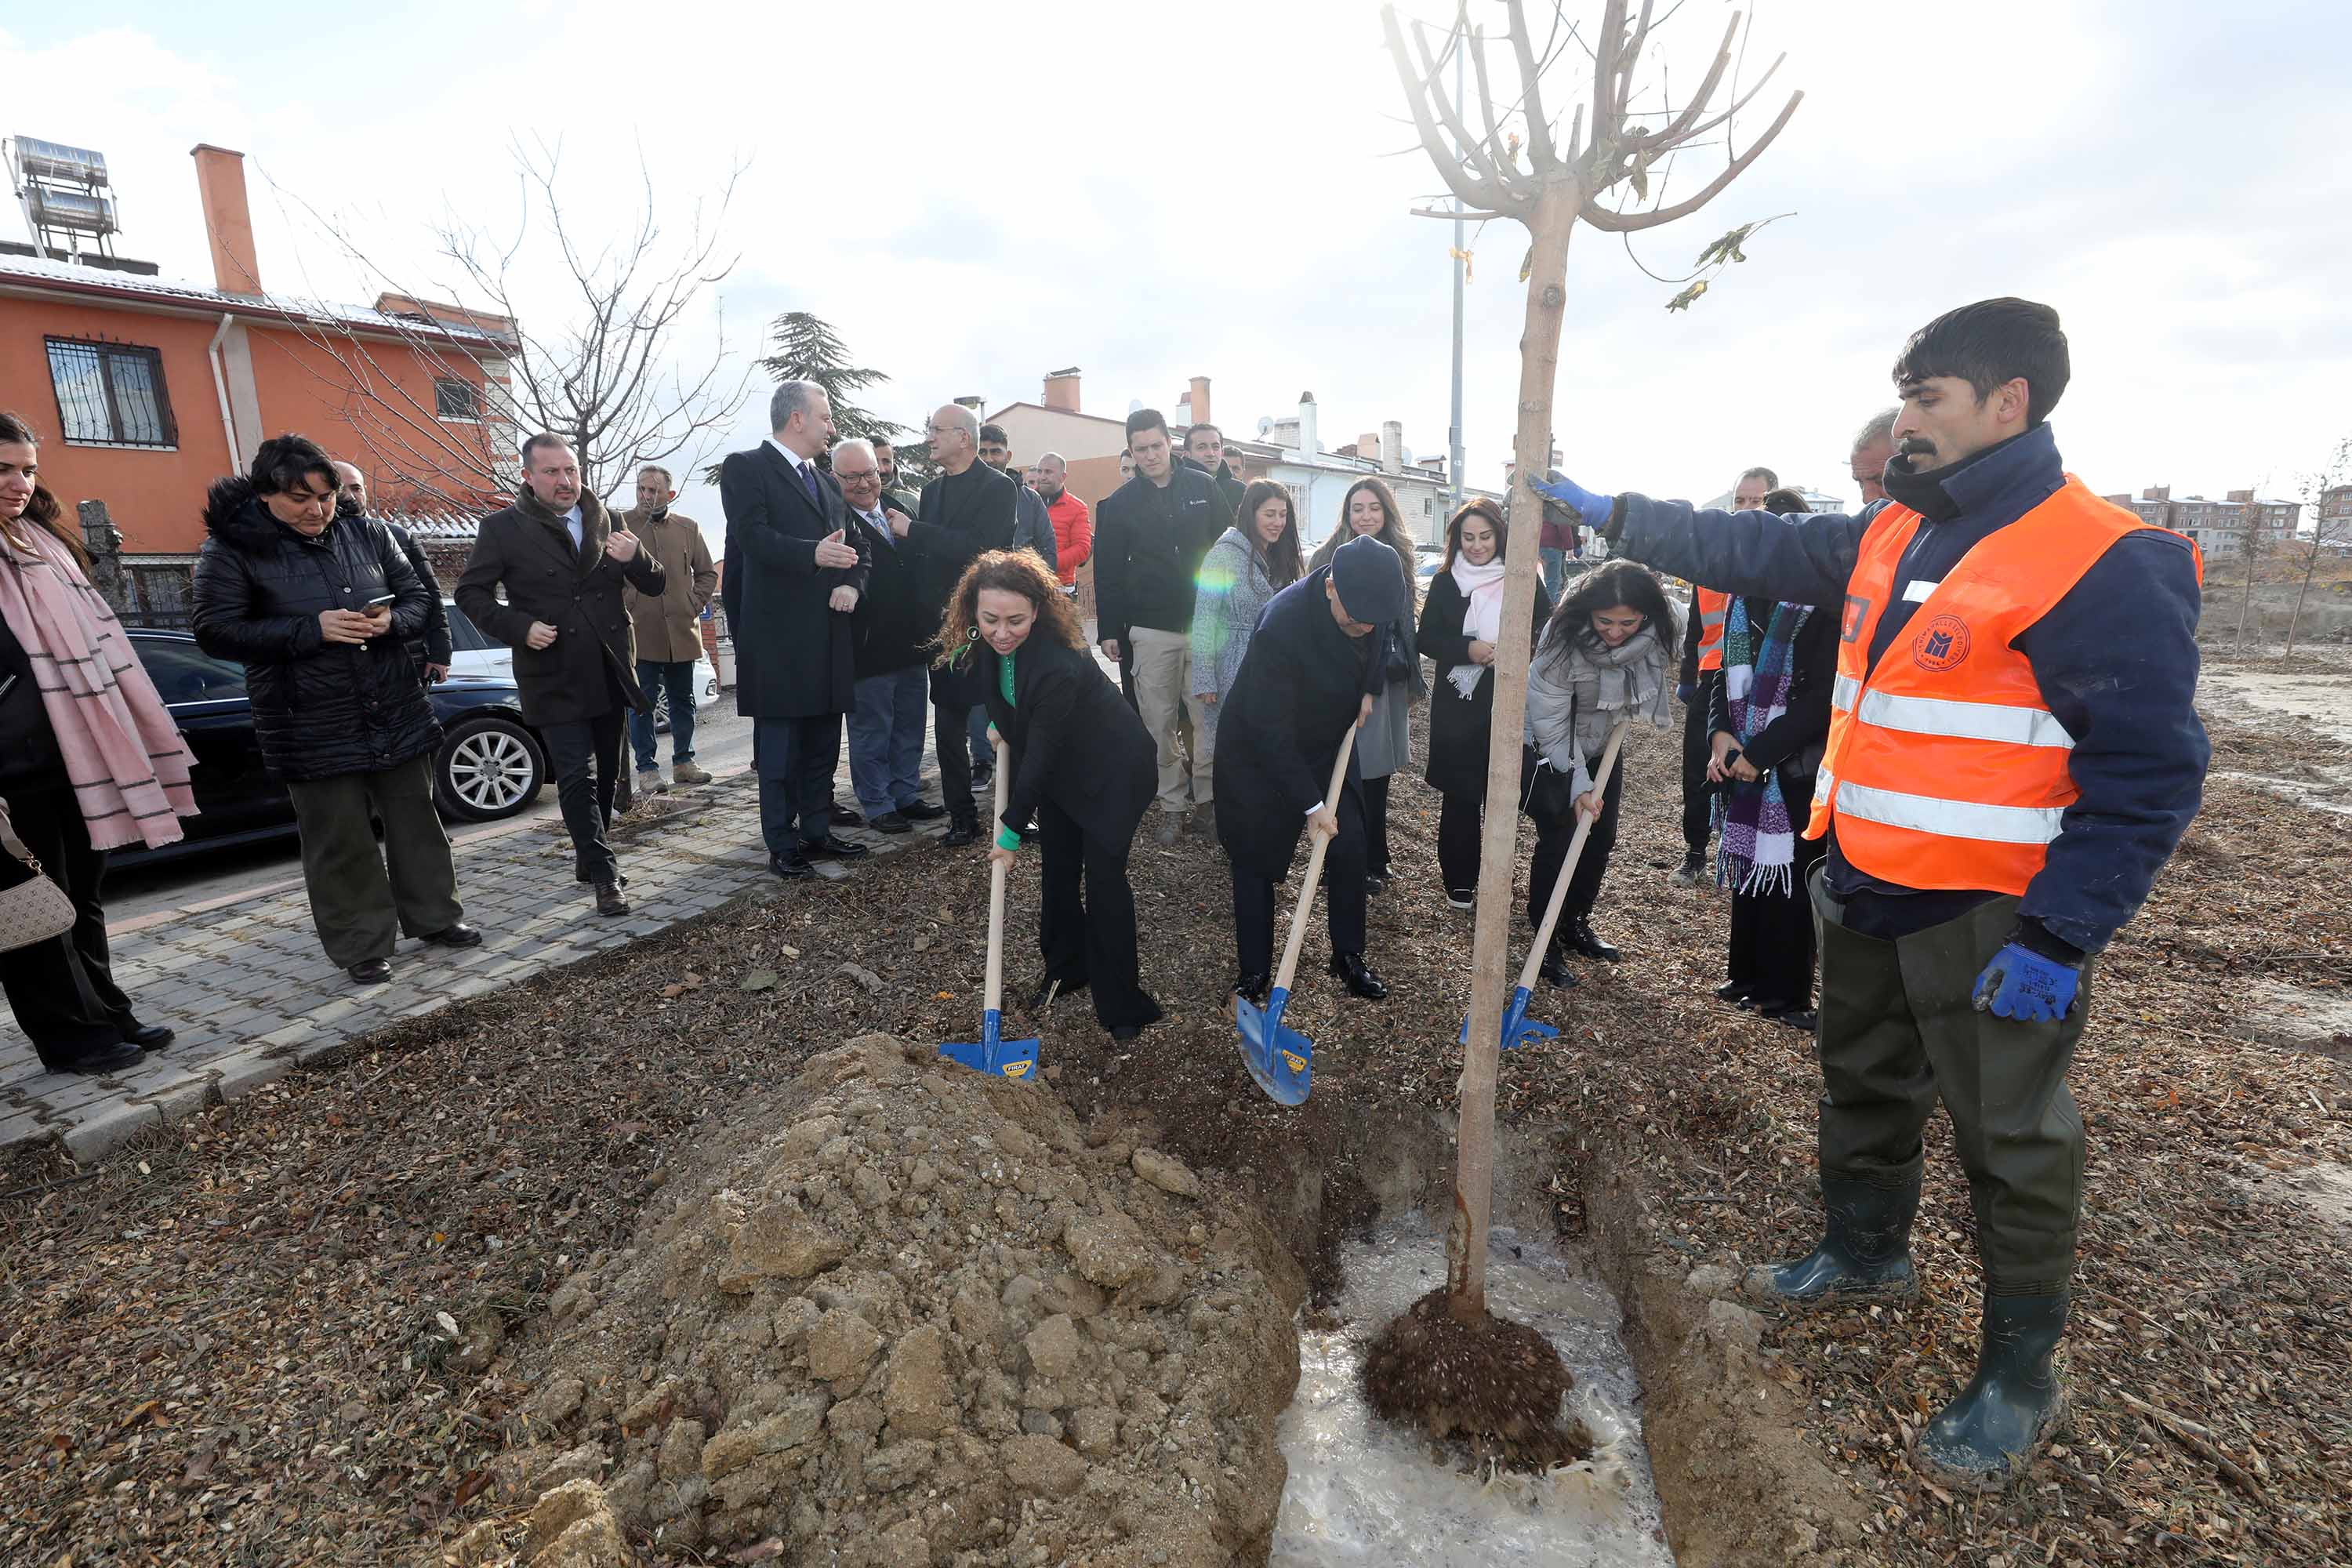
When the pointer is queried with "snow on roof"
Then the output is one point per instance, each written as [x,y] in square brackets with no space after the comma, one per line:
[155,290]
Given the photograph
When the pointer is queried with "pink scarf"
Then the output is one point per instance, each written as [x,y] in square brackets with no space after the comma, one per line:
[122,753]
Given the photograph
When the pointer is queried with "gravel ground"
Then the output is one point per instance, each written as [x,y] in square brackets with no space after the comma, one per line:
[226,1345]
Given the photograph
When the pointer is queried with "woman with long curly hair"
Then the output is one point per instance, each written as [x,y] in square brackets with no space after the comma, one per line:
[1384,744]
[1251,561]
[1081,764]
[1606,655]
[90,760]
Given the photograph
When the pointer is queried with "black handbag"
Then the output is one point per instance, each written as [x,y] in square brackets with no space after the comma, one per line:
[1546,794]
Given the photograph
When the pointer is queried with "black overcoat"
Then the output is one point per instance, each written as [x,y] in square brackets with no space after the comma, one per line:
[1075,741]
[578,592]
[795,656]
[961,516]
[1301,687]
[893,629]
[1460,728]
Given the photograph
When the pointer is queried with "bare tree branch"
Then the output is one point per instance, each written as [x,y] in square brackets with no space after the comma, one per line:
[1602,218]
[1474,193]
[1540,145]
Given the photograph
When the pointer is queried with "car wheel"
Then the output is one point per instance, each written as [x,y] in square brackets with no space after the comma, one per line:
[489,768]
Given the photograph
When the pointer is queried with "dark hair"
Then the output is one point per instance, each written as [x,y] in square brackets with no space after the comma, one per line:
[1479,508]
[1988,344]
[1013,571]
[882,443]
[1283,558]
[284,461]
[1771,481]
[544,438]
[1201,425]
[1607,586]
[42,511]
[1144,419]
[1392,533]
[995,433]
[1787,503]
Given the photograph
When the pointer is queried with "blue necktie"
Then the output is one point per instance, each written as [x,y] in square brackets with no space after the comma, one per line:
[808,478]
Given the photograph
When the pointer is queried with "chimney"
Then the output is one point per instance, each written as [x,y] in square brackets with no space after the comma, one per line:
[1367,447]
[1307,445]
[1392,446]
[1199,399]
[1062,389]
[228,225]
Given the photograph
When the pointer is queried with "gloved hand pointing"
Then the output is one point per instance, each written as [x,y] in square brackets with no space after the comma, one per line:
[1593,508]
[2022,984]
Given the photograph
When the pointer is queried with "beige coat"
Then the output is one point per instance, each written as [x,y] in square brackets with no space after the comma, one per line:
[669,627]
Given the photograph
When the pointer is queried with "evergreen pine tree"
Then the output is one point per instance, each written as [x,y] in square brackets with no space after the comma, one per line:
[807,350]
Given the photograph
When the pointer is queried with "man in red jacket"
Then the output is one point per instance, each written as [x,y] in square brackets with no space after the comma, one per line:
[1074,525]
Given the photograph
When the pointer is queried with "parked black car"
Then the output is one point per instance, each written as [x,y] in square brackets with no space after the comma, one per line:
[490,766]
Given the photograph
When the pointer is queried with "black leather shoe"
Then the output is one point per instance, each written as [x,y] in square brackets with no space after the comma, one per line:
[922,811]
[110,1058]
[1864,1255]
[149,1036]
[791,868]
[1790,1014]
[842,816]
[960,834]
[890,822]
[1254,987]
[1123,1032]
[1554,969]
[1376,882]
[832,848]
[458,935]
[372,971]
[1985,1439]
[1358,976]
[1582,940]
[1734,992]
[609,901]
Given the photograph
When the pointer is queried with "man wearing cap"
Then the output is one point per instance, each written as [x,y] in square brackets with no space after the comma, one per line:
[1310,674]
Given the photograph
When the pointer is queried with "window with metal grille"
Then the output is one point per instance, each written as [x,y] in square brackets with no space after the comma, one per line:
[454,399]
[111,394]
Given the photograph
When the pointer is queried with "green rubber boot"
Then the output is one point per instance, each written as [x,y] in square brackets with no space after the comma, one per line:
[1986,1439]
[1864,1255]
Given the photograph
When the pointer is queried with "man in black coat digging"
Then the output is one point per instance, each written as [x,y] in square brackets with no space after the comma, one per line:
[576,655]
[794,580]
[1309,675]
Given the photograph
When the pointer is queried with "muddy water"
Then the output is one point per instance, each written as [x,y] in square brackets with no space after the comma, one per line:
[1363,1491]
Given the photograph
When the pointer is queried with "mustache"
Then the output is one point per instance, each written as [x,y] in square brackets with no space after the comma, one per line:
[1915,446]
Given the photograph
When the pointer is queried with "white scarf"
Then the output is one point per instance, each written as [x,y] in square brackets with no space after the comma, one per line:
[1482,621]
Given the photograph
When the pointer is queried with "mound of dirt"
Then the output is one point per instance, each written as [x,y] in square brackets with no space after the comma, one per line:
[905,1315]
[1494,1384]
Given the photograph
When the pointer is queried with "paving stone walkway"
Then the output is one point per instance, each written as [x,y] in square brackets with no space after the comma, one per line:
[251,994]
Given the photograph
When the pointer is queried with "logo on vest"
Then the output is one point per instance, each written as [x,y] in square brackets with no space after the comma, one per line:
[1858,611]
[1943,644]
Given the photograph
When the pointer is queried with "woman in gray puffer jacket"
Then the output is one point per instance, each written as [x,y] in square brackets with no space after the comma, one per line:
[1250,562]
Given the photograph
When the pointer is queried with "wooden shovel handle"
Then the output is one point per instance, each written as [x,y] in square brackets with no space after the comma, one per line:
[1314,867]
[1568,866]
[996,871]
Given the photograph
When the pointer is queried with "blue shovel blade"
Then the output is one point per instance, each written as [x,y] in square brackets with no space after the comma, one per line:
[994,1056]
[1518,1029]
[1280,1061]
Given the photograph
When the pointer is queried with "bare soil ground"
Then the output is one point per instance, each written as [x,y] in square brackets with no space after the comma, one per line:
[226,1346]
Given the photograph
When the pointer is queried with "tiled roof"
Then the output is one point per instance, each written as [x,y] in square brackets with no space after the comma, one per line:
[26,269]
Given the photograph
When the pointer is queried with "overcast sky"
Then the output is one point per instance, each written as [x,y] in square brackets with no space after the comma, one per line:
[975,195]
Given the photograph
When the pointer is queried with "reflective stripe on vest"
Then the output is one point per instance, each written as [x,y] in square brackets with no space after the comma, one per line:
[1943,769]
[1711,607]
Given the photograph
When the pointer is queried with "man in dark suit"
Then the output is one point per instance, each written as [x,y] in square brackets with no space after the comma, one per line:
[894,638]
[965,512]
[575,661]
[793,579]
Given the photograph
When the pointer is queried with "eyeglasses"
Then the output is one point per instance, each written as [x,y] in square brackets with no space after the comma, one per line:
[852,477]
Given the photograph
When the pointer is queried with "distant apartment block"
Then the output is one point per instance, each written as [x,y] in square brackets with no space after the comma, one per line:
[2221,528]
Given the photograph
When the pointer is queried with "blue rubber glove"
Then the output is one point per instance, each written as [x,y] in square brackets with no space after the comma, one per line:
[2020,983]
[1593,508]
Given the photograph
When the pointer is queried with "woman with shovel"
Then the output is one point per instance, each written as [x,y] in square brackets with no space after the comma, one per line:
[1606,656]
[1081,764]
[1313,670]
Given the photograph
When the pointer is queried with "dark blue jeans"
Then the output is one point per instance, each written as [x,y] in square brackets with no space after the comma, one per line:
[795,759]
[885,739]
[654,676]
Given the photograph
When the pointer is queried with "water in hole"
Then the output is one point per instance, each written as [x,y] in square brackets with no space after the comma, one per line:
[1363,1491]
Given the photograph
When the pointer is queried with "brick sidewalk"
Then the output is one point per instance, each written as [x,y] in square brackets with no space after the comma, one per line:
[252,996]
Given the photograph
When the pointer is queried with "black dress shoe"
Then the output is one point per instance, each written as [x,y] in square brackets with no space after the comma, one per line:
[609,901]
[1582,940]
[960,834]
[372,971]
[1734,991]
[842,816]
[1790,1014]
[1254,987]
[1358,976]
[832,848]
[106,1059]
[890,822]
[1376,882]
[1123,1032]
[458,935]
[791,868]
[922,811]
[1554,969]
[149,1036]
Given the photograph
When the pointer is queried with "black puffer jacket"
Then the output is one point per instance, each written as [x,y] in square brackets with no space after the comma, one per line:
[320,710]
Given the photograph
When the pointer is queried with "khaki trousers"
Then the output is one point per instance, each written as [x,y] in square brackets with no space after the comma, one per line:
[1163,696]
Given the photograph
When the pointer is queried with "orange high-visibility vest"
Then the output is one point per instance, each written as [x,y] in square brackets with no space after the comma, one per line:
[1945,768]
[1711,606]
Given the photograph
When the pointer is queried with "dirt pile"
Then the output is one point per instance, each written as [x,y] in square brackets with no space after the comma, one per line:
[907,1315]
[1495,1384]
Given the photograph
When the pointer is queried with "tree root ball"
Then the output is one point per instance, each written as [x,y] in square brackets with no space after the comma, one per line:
[1492,1385]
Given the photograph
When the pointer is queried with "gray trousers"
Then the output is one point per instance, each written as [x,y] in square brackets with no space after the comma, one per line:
[363,898]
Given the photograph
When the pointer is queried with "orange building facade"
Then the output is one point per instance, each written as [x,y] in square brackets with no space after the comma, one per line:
[144,391]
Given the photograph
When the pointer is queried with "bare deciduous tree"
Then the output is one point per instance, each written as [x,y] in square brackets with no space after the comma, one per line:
[1610,170]
[2325,493]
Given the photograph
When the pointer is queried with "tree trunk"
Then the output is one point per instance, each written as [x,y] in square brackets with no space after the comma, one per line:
[2246,558]
[2310,565]
[1550,223]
